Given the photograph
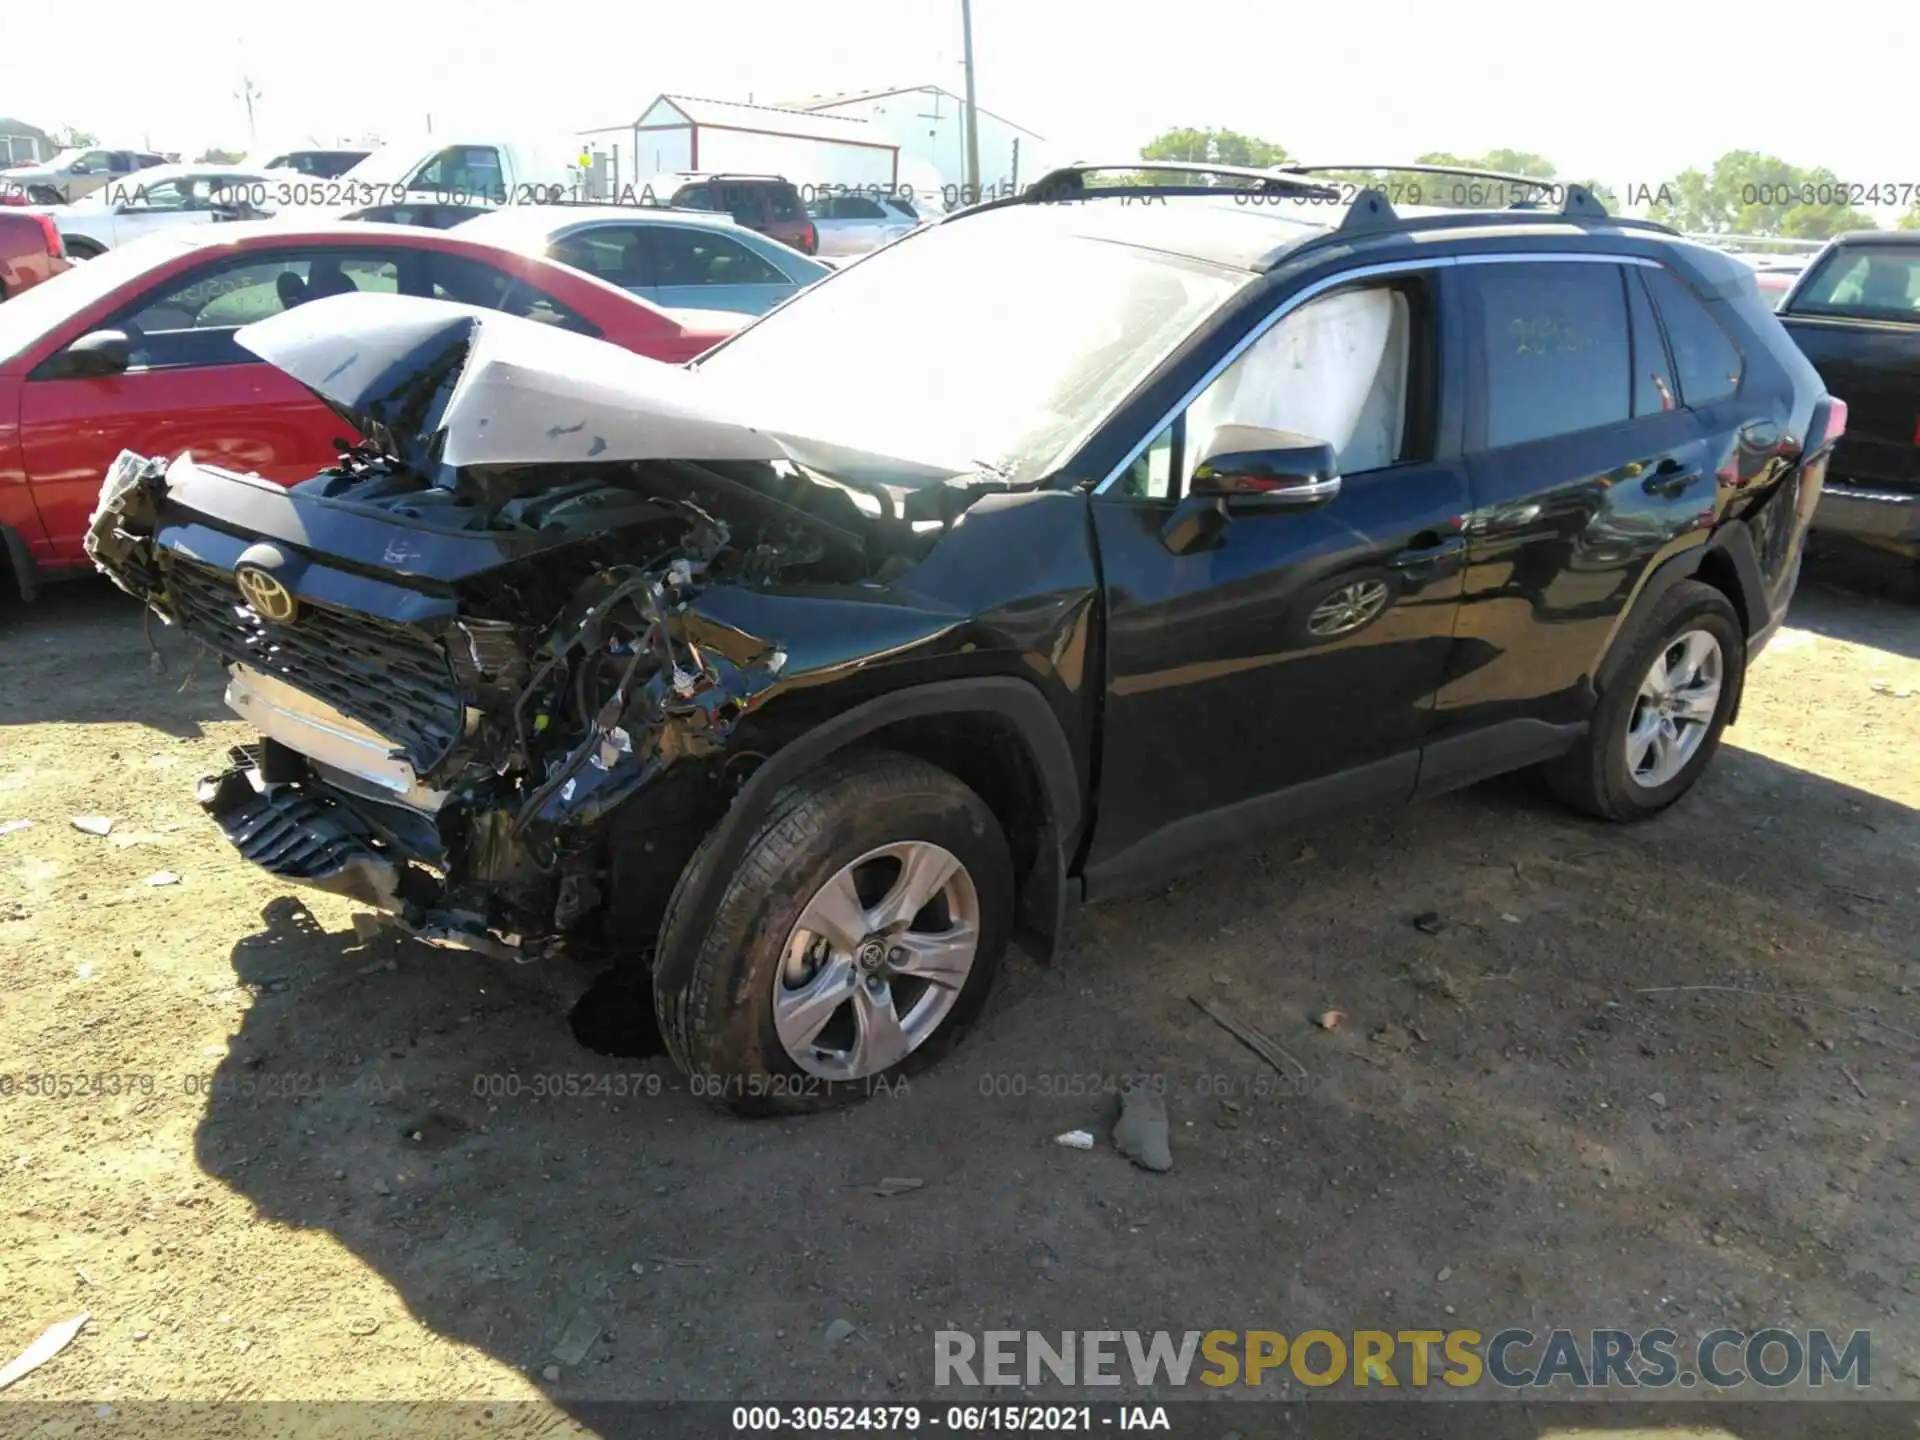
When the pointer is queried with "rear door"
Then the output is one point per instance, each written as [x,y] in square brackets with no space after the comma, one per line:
[1584,466]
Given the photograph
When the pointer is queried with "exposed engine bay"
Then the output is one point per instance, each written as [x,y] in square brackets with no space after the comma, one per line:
[462,651]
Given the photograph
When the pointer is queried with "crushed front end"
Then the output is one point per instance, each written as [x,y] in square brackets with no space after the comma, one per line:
[458,670]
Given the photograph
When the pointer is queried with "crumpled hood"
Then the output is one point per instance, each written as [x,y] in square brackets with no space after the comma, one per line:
[443,386]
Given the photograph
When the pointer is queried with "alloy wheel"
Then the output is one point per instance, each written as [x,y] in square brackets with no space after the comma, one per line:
[1674,708]
[876,960]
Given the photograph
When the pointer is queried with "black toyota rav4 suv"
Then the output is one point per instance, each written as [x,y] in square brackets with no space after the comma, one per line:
[803,681]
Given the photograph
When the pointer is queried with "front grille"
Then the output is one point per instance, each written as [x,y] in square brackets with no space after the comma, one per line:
[389,676]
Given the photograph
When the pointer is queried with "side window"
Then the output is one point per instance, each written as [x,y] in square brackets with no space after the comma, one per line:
[1653,387]
[1150,477]
[96,161]
[858,207]
[1708,364]
[192,322]
[694,197]
[1555,348]
[164,195]
[469,169]
[685,255]
[612,253]
[1336,369]
[473,282]
[783,203]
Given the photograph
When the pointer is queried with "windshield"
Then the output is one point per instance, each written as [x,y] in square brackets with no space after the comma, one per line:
[978,344]
[32,313]
[1877,282]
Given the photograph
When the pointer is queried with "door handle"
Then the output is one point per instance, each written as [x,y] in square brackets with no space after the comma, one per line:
[1668,480]
[1427,554]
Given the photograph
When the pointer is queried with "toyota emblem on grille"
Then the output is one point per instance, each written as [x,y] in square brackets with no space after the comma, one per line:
[269,598]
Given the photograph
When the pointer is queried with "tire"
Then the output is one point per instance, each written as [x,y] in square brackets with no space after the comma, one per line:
[1596,776]
[716,993]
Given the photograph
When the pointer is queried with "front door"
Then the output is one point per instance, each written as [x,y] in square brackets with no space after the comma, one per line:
[1290,668]
[189,386]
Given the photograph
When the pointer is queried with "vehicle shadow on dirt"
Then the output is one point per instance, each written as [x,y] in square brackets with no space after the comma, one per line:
[1500,1127]
[1868,597]
[67,656]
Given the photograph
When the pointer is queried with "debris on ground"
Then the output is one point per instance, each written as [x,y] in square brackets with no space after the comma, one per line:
[1429,922]
[839,1330]
[1392,1037]
[362,1325]
[577,1339]
[1329,1019]
[1658,1100]
[14,827]
[896,1185]
[1264,1046]
[1446,1274]
[92,824]
[552,1372]
[1509,917]
[164,877]
[1140,1133]
[1435,981]
[52,1341]
[1075,1140]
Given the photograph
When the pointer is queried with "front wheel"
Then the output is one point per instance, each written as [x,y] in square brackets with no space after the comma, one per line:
[855,943]
[1660,718]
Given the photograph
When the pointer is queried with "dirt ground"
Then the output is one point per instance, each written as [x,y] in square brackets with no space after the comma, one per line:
[313,1184]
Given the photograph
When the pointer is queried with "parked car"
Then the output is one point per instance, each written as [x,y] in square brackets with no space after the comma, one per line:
[1856,314]
[30,251]
[136,349]
[74,174]
[804,680]
[767,203]
[167,197]
[319,164]
[429,213]
[853,224]
[673,258]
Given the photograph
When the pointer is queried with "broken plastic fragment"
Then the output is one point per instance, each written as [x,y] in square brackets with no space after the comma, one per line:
[613,744]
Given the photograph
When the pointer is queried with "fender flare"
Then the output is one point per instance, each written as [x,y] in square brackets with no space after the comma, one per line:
[26,572]
[1018,703]
[1733,541]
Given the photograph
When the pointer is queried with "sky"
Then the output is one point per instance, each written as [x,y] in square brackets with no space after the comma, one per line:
[1627,95]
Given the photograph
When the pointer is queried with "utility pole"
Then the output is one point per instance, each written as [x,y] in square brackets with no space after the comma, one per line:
[973,128]
[247,93]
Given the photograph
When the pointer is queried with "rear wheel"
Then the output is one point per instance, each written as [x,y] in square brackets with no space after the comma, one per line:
[855,943]
[82,249]
[1660,718]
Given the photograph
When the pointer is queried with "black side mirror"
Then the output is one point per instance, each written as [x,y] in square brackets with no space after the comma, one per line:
[1248,467]
[99,352]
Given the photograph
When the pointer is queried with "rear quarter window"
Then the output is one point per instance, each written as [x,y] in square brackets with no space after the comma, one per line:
[1707,361]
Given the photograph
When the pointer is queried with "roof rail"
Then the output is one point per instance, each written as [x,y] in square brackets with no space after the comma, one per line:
[1069,182]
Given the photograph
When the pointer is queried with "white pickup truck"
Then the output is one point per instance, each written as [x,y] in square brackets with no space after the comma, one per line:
[465,172]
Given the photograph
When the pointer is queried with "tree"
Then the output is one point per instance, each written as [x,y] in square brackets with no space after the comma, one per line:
[1747,193]
[1208,147]
[219,157]
[1509,162]
[68,138]
[1910,220]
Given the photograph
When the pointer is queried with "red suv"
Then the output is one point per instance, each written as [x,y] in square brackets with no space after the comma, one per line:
[767,203]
